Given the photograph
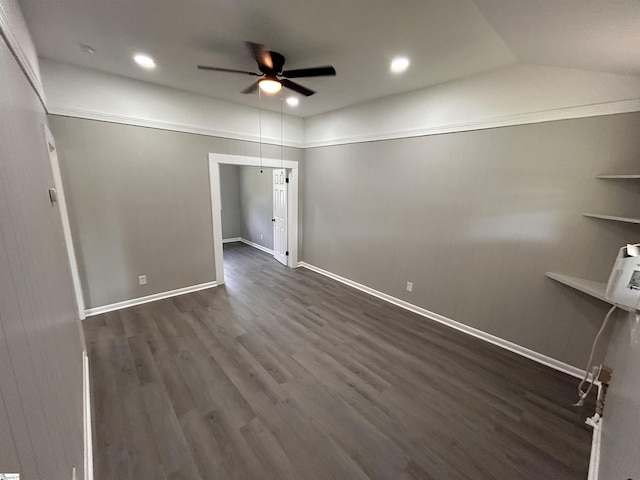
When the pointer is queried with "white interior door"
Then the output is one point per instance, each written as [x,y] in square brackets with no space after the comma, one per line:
[280,185]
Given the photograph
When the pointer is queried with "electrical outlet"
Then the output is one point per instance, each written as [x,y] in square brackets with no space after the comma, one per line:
[409,287]
[261,236]
[142,279]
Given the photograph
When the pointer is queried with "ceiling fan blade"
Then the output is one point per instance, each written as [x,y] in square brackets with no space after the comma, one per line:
[325,71]
[296,87]
[252,88]
[262,55]
[217,69]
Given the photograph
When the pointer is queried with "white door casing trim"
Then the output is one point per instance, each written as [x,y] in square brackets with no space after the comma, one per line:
[61,204]
[215,159]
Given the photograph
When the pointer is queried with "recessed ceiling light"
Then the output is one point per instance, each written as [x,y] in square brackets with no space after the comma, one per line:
[292,101]
[399,64]
[145,61]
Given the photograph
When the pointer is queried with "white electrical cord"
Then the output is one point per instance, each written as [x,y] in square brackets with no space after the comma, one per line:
[583,394]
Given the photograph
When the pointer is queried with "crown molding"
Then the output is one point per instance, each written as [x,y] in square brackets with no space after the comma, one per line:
[593,110]
[162,125]
[583,111]
[8,32]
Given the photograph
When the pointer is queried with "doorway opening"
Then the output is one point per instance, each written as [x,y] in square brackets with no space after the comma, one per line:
[285,212]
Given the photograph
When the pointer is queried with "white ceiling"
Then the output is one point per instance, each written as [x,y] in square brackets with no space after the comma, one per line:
[445,39]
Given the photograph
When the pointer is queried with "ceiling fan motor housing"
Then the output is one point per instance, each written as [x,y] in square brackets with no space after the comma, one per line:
[277,60]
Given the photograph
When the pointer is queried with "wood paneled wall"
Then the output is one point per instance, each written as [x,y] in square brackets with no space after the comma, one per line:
[41,423]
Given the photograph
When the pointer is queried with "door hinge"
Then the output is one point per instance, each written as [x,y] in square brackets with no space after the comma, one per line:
[287,253]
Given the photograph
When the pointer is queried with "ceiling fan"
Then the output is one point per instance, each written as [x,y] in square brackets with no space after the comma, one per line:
[273,77]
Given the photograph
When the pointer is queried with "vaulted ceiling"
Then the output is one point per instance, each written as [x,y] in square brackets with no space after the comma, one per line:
[445,40]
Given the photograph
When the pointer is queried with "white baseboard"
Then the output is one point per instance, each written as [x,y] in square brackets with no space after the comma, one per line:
[149,298]
[255,245]
[88,435]
[487,337]
[231,240]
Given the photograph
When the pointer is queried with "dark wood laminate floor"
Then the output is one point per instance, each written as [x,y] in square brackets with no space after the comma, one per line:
[285,374]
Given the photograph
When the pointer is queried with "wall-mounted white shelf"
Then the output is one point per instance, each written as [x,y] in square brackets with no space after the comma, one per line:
[595,289]
[612,217]
[590,287]
[619,177]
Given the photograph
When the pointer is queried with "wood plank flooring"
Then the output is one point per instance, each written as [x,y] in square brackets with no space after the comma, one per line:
[285,374]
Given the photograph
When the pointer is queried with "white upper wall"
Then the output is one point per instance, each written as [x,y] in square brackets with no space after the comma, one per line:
[507,96]
[80,92]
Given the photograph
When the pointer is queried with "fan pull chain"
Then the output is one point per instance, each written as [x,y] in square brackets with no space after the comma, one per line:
[260,125]
[281,134]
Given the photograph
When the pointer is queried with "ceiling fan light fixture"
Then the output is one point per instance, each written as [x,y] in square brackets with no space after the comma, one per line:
[269,85]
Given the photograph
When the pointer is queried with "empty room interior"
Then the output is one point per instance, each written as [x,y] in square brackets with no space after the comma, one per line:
[358,239]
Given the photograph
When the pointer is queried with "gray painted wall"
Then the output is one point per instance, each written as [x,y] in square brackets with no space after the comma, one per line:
[230,198]
[256,193]
[247,203]
[139,203]
[474,219]
[41,424]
